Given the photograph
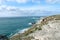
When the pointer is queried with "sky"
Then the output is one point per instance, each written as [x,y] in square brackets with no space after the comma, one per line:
[17,8]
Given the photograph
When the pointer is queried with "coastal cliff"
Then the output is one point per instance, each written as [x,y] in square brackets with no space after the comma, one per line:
[47,28]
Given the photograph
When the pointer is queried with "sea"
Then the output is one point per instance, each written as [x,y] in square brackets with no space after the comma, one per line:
[11,25]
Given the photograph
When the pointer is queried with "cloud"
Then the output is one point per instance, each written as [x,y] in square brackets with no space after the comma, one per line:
[53,1]
[36,1]
[12,11]
[2,1]
[25,1]
[18,1]
[33,1]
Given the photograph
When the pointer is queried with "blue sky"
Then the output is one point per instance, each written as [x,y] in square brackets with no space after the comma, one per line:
[13,8]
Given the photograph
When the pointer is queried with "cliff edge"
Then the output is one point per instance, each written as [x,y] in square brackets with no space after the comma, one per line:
[46,29]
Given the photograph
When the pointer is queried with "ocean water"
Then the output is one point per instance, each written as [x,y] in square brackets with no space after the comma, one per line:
[11,25]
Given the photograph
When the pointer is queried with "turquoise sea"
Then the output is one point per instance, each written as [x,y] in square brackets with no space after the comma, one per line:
[11,25]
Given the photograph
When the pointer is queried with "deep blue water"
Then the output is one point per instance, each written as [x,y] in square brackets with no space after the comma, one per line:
[14,24]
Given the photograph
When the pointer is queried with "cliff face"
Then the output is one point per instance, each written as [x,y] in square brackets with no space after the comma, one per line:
[45,29]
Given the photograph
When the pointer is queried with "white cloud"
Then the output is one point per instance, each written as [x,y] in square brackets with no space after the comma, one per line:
[36,1]
[19,1]
[53,1]
[25,1]
[33,1]
[22,1]
[2,1]
[12,11]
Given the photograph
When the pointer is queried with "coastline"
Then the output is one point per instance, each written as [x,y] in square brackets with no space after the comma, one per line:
[25,29]
[20,32]
[46,28]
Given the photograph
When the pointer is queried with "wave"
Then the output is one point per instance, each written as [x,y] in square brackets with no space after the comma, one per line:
[20,31]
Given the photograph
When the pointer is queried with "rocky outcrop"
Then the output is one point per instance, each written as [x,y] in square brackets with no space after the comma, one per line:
[3,37]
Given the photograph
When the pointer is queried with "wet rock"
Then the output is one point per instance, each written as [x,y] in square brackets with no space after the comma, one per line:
[3,37]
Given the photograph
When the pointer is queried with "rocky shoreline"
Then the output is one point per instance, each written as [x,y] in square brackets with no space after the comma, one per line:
[45,29]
